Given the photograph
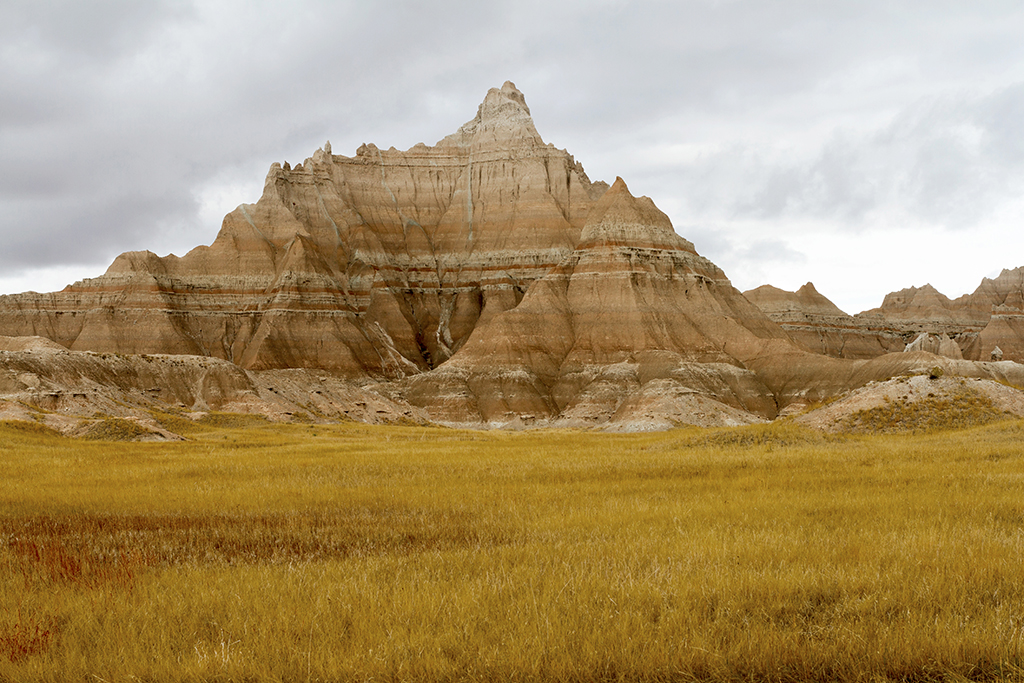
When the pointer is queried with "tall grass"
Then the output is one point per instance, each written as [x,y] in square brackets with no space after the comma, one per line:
[348,552]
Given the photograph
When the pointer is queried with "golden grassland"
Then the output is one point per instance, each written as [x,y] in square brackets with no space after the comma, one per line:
[348,552]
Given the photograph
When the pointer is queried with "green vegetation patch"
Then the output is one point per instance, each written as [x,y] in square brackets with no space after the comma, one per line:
[933,413]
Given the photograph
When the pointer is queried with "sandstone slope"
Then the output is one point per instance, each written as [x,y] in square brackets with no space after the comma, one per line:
[67,390]
[908,403]
[633,328]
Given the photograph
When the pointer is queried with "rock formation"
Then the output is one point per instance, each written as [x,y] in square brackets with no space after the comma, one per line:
[63,389]
[991,316]
[632,309]
[380,264]
[939,344]
[484,280]
[820,326]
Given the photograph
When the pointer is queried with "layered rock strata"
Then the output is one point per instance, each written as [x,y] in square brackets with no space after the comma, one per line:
[990,317]
[633,317]
[484,281]
[820,326]
[66,389]
[380,264]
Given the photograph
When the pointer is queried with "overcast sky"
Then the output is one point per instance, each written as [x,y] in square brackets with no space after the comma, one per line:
[866,146]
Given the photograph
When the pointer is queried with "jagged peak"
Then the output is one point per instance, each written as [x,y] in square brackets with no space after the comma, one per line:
[502,116]
[620,218]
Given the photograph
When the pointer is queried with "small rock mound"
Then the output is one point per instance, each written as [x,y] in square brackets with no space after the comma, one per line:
[917,404]
[939,344]
[17,344]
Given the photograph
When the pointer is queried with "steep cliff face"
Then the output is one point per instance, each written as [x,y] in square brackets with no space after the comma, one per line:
[380,264]
[633,325]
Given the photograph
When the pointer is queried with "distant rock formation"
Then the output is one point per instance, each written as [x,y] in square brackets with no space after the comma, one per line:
[820,326]
[993,315]
[66,389]
[939,344]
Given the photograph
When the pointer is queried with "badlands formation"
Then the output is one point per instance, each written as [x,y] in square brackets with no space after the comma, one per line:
[483,281]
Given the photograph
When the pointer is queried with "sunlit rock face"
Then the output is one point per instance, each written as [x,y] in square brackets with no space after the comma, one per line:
[379,264]
[820,326]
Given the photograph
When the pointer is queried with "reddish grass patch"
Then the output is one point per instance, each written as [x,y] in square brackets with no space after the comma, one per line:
[26,637]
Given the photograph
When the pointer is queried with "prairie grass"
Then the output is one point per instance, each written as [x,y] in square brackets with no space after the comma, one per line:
[348,552]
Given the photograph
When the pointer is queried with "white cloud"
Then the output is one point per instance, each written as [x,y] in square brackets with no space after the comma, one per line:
[782,138]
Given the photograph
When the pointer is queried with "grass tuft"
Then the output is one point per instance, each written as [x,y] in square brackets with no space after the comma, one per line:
[115,429]
[967,408]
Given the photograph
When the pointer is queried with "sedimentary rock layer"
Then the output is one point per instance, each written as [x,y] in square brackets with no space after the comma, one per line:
[990,318]
[631,317]
[379,264]
[483,280]
[820,326]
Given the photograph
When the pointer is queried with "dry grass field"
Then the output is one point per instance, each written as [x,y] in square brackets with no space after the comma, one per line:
[259,552]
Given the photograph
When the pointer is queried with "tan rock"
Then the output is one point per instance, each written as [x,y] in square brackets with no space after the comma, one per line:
[820,326]
[633,304]
[380,264]
[70,390]
[939,344]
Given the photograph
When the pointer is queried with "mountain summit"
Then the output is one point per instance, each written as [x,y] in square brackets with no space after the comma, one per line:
[502,120]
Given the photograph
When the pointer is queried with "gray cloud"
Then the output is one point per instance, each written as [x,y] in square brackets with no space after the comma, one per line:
[119,119]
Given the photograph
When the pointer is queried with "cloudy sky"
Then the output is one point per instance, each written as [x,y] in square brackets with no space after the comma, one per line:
[866,146]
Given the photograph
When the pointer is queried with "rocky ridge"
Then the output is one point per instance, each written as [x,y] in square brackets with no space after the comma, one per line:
[986,324]
[484,281]
[375,265]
